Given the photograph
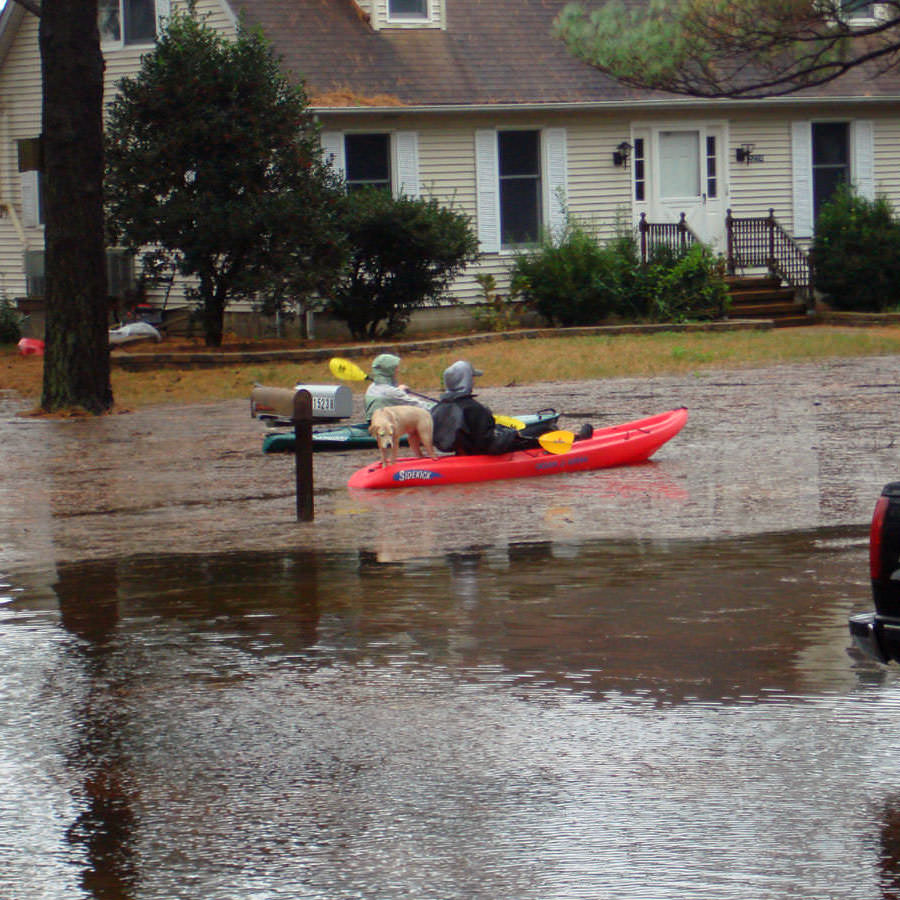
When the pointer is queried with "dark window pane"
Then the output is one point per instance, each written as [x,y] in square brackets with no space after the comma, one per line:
[825,183]
[830,144]
[519,165]
[140,21]
[108,20]
[830,160]
[408,9]
[519,211]
[367,160]
[519,153]
[639,173]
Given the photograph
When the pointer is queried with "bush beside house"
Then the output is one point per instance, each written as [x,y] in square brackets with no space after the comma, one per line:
[575,280]
[857,253]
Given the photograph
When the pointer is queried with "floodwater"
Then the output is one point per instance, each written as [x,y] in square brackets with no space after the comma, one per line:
[627,684]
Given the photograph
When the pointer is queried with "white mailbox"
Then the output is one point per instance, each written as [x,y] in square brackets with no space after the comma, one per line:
[329,401]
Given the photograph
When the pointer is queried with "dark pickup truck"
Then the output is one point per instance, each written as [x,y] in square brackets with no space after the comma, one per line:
[878,633]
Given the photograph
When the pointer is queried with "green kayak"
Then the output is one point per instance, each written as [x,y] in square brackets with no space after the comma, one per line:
[357,437]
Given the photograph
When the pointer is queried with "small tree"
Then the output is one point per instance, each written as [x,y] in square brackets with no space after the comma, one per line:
[214,162]
[857,252]
[404,253]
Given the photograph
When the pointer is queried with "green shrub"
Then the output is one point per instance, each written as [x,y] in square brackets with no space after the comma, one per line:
[497,312]
[677,285]
[10,322]
[575,281]
[856,251]
[404,252]
[572,280]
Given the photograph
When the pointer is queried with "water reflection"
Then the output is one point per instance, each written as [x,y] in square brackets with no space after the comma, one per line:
[890,848]
[89,610]
[658,718]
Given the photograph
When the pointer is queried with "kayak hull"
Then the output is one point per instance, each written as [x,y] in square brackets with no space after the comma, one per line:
[616,445]
[357,437]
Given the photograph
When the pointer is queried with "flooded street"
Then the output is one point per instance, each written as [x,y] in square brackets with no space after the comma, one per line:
[633,683]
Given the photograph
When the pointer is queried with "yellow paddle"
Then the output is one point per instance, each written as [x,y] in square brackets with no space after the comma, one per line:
[346,370]
[557,441]
[509,421]
[349,371]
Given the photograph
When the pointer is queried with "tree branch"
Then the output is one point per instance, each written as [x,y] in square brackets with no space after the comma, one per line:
[738,49]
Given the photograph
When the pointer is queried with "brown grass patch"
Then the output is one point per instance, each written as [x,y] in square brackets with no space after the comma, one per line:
[504,362]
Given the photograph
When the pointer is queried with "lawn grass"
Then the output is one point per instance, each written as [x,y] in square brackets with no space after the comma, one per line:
[504,362]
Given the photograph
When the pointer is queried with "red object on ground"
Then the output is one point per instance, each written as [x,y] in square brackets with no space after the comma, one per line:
[616,445]
[31,347]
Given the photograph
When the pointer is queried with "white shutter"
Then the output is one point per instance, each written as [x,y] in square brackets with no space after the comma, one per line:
[30,199]
[406,155]
[556,162]
[487,189]
[333,151]
[801,161]
[864,158]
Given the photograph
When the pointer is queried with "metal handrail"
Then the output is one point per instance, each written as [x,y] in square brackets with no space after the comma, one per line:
[762,241]
[674,235]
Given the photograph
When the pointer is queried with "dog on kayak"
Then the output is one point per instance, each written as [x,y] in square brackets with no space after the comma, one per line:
[390,423]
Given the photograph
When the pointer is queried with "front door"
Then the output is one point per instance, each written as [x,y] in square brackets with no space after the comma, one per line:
[686,175]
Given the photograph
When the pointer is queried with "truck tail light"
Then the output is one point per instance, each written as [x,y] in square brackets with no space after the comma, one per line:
[876,537]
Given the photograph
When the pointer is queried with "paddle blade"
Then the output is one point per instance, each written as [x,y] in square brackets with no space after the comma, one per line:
[509,422]
[557,441]
[346,370]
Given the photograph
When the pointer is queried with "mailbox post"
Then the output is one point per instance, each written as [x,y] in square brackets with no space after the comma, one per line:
[302,418]
[301,407]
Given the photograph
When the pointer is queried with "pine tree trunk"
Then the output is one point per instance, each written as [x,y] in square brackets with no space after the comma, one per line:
[76,361]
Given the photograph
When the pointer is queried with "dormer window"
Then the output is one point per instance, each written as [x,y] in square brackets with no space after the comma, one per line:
[407,9]
[855,10]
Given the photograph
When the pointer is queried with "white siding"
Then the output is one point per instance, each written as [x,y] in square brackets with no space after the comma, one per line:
[20,119]
[886,169]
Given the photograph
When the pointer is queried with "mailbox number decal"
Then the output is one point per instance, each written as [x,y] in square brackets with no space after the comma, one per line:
[323,403]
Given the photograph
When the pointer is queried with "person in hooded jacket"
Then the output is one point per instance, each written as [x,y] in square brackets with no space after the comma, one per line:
[464,426]
[384,390]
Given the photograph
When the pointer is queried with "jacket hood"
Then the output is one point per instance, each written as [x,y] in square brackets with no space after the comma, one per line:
[384,367]
[459,380]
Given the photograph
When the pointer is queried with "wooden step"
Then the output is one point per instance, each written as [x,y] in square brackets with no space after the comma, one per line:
[766,310]
[764,297]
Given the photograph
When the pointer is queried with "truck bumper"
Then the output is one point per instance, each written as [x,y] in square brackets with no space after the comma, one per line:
[876,636]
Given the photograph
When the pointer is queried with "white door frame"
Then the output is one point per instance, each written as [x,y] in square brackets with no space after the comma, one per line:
[704,214]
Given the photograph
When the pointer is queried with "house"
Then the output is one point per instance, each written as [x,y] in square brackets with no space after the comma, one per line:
[476,104]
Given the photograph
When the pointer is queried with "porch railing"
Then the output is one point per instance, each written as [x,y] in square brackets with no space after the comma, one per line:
[674,235]
[762,241]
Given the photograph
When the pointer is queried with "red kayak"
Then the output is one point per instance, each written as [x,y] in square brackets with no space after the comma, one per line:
[616,445]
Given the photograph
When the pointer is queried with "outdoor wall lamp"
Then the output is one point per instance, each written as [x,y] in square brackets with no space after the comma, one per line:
[743,153]
[621,153]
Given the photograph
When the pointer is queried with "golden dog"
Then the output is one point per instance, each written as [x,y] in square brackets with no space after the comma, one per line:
[390,423]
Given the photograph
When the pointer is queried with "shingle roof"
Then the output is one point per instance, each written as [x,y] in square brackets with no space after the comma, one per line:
[492,52]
